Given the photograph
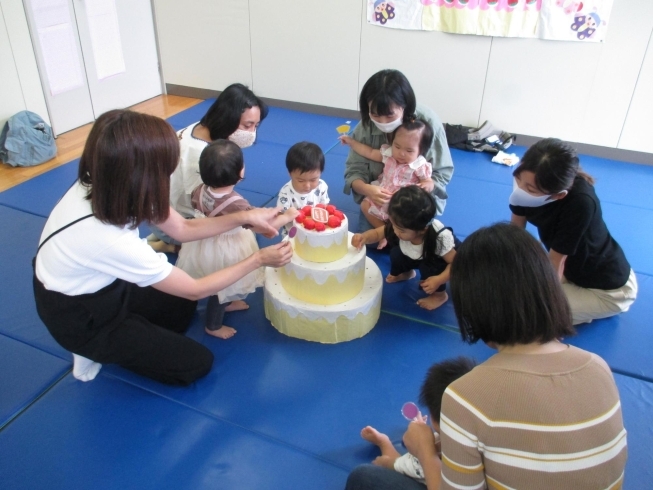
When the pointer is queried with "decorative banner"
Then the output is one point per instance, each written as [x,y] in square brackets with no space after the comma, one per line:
[561,20]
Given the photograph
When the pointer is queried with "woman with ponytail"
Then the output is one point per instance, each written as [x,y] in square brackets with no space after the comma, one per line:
[552,192]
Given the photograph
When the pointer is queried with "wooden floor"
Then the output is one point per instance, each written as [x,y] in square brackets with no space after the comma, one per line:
[71,144]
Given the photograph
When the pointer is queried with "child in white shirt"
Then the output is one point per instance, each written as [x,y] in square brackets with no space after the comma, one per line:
[305,164]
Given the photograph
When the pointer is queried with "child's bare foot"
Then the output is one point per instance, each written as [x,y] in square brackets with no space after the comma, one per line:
[433,301]
[237,306]
[223,332]
[382,244]
[404,276]
[370,434]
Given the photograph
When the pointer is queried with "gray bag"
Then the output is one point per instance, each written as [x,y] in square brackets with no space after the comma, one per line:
[26,140]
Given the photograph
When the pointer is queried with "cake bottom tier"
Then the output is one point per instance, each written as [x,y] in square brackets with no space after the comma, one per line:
[328,324]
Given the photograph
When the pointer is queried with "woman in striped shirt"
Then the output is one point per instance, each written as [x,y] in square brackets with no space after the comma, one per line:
[539,414]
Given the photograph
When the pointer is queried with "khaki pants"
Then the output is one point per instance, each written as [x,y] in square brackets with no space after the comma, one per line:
[591,304]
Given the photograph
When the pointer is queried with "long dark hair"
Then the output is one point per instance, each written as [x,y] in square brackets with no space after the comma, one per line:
[555,165]
[383,89]
[505,290]
[223,117]
[412,208]
[126,164]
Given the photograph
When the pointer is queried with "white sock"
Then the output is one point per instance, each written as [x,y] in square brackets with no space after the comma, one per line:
[85,369]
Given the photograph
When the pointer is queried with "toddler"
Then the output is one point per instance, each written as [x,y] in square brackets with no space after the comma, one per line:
[221,168]
[404,164]
[417,240]
[305,164]
[438,377]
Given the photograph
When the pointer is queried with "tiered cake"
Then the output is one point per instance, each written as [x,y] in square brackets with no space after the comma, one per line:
[329,292]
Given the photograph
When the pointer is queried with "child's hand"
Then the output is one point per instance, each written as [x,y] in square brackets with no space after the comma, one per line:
[427,185]
[345,140]
[419,440]
[261,220]
[358,240]
[385,462]
[378,195]
[430,284]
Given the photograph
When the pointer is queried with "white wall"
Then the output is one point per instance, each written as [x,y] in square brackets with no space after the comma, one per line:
[312,52]
[20,84]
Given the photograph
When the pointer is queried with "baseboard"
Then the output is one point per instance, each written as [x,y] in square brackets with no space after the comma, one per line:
[522,139]
[630,156]
[202,93]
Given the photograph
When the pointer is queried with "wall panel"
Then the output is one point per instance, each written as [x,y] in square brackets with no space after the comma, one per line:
[204,44]
[11,95]
[638,131]
[306,51]
[23,50]
[575,91]
[447,71]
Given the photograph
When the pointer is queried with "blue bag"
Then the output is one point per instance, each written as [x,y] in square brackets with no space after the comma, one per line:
[26,140]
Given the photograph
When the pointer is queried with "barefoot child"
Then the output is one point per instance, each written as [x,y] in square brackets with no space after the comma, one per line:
[423,243]
[438,377]
[221,168]
[404,164]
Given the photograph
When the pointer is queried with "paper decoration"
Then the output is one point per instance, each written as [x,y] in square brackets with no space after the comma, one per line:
[561,20]
[57,33]
[105,37]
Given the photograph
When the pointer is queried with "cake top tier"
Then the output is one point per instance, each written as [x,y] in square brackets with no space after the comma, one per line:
[320,234]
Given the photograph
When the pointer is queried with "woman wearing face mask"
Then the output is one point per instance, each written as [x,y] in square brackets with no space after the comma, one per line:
[553,193]
[235,115]
[387,100]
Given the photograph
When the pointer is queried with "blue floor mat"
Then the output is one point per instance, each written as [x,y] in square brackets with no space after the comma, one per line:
[637,406]
[624,341]
[26,373]
[39,195]
[107,434]
[277,412]
[18,317]
[315,397]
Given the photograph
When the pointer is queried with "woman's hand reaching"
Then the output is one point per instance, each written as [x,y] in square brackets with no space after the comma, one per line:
[276,255]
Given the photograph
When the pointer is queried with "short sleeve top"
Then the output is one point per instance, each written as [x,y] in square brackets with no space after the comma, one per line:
[574,226]
[90,254]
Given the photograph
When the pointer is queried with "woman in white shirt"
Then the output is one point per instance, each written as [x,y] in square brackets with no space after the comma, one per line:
[102,292]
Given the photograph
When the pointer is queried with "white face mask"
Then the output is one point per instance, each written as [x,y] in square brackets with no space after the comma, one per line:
[243,138]
[520,197]
[388,127]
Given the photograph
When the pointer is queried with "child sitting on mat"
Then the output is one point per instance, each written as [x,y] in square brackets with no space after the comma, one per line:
[404,164]
[305,164]
[417,240]
[438,377]
[221,168]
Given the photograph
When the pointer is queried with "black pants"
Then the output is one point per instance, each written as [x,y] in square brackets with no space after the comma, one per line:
[137,328]
[400,263]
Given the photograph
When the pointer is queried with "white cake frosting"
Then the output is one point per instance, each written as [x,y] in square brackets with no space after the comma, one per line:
[325,283]
[322,246]
[329,292]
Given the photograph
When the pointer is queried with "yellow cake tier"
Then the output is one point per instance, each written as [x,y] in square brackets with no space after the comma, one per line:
[322,246]
[328,324]
[325,284]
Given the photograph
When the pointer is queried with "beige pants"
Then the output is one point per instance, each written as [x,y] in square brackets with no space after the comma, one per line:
[591,304]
